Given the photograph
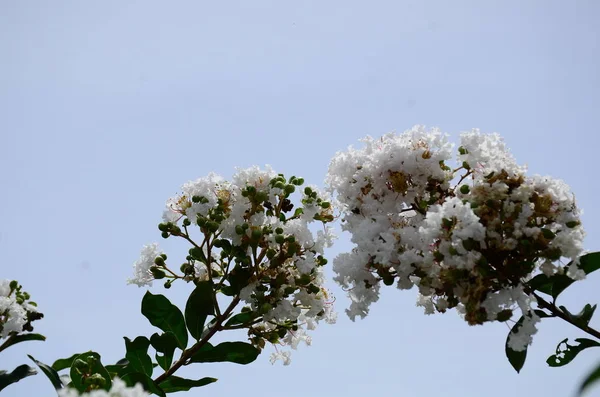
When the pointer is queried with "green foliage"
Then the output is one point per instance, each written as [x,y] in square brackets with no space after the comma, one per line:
[174,384]
[589,380]
[87,370]
[565,353]
[14,339]
[199,306]
[163,314]
[137,354]
[165,345]
[517,358]
[557,283]
[235,352]
[22,371]
[132,378]
[49,372]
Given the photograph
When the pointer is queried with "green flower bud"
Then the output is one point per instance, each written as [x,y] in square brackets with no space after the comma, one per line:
[13,284]
[289,290]
[186,222]
[548,234]
[279,239]
[165,234]
[572,224]
[159,260]
[462,150]
[256,234]
[464,189]
[163,227]
[157,273]
[168,284]
[325,204]
[265,308]
[81,366]
[504,315]
[239,230]
[289,189]
[95,380]
[308,191]
[466,165]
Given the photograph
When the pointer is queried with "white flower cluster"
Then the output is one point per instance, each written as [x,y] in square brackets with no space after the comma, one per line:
[255,244]
[118,389]
[16,312]
[468,237]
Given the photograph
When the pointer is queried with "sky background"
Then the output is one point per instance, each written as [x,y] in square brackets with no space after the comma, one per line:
[107,108]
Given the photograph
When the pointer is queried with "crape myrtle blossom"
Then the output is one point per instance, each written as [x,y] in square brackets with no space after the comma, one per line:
[118,389]
[16,310]
[257,244]
[467,235]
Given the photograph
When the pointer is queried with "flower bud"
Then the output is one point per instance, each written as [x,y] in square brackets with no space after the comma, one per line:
[157,273]
[464,189]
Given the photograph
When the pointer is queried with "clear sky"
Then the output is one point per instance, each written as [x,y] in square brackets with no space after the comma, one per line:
[107,107]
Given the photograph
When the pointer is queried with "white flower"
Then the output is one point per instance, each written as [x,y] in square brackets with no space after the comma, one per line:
[118,389]
[284,356]
[142,276]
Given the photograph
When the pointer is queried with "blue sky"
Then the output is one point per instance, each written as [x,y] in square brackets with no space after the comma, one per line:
[106,108]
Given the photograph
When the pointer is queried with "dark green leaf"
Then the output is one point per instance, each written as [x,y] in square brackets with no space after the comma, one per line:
[174,383]
[22,371]
[583,317]
[49,372]
[199,305]
[589,263]
[241,318]
[541,283]
[516,358]
[63,363]
[592,378]
[137,354]
[133,378]
[238,278]
[93,365]
[235,352]
[13,340]
[120,369]
[166,316]
[565,353]
[164,344]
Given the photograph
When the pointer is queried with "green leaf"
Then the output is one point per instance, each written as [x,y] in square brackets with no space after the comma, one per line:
[199,305]
[49,372]
[589,263]
[565,353]
[164,344]
[131,379]
[592,378]
[235,352]
[13,340]
[137,354]
[515,358]
[584,317]
[557,283]
[121,368]
[22,371]
[63,363]
[174,383]
[541,283]
[83,366]
[241,318]
[166,316]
